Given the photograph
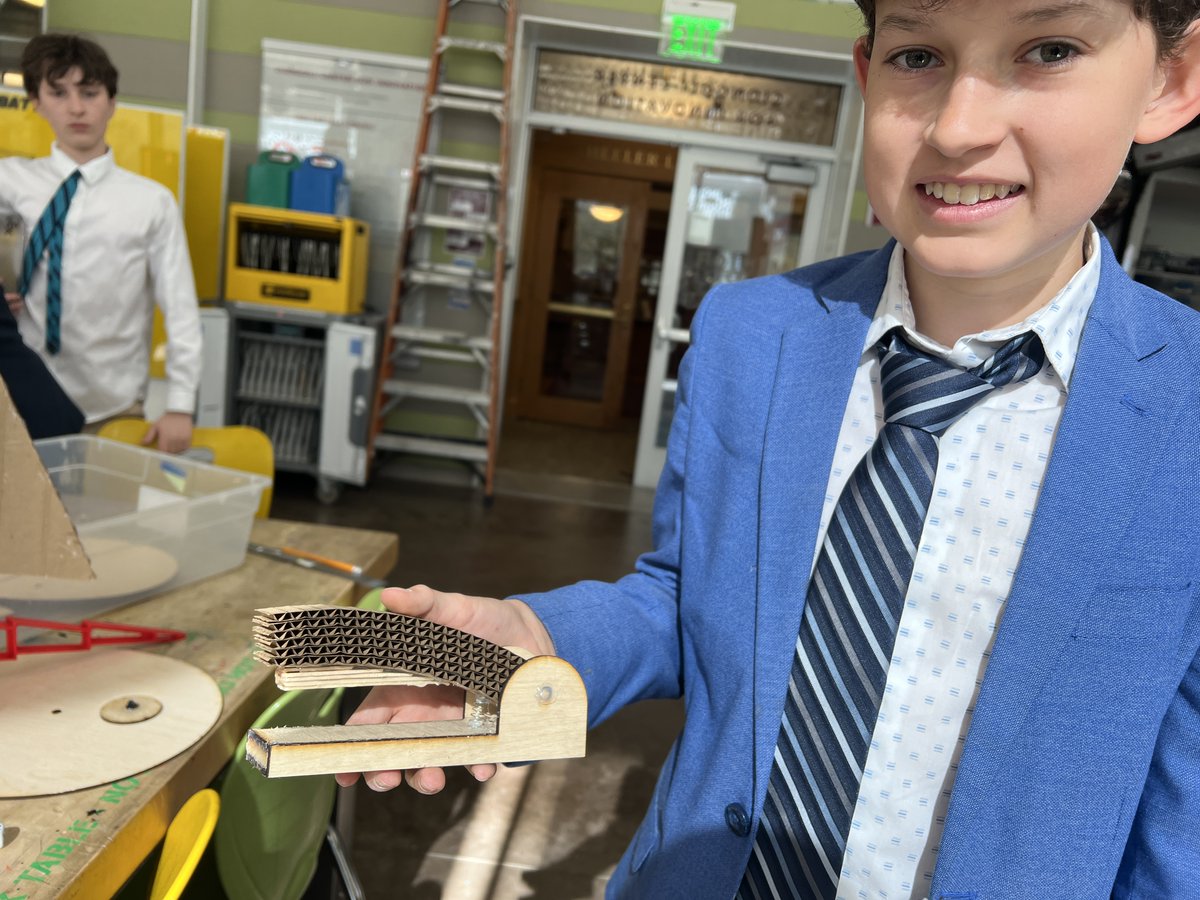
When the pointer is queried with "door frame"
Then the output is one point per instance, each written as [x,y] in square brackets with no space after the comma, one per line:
[650,455]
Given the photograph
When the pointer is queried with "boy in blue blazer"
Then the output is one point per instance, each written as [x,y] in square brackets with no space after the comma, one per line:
[925,567]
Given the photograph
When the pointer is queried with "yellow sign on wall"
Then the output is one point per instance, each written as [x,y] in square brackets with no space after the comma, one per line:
[144,140]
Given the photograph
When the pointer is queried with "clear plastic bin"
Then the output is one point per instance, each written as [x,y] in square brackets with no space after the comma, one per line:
[188,518]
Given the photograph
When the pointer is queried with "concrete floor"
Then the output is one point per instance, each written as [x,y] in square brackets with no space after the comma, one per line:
[551,831]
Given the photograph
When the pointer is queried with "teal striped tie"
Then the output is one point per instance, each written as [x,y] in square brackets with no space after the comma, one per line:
[47,238]
[854,603]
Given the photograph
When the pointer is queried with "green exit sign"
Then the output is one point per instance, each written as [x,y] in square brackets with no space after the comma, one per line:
[693,37]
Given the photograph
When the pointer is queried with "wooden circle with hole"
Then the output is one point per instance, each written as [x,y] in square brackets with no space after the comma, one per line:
[53,738]
[121,568]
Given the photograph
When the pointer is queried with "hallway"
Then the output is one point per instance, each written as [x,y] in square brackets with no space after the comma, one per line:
[551,831]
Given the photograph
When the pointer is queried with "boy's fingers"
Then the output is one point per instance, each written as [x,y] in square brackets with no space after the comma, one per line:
[453,610]
[509,623]
[423,781]
[151,436]
[381,781]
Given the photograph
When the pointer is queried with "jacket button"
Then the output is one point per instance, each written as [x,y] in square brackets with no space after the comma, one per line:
[737,819]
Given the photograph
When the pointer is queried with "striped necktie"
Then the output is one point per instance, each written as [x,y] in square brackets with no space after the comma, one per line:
[853,606]
[47,238]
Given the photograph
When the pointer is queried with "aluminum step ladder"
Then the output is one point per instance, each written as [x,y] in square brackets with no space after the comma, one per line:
[438,393]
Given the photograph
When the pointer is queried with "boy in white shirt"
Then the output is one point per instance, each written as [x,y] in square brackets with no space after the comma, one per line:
[103,246]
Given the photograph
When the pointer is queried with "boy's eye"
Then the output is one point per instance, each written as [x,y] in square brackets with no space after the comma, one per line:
[913,59]
[1051,53]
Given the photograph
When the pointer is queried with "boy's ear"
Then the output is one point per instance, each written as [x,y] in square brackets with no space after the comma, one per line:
[862,63]
[1178,100]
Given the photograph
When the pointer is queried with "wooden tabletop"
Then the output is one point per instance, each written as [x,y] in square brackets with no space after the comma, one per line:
[86,843]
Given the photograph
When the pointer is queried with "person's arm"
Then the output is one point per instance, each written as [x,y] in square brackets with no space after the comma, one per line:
[39,399]
[622,638]
[1162,857]
[174,290]
[626,638]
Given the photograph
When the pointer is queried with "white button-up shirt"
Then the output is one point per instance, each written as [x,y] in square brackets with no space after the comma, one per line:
[124,249]
[991,463]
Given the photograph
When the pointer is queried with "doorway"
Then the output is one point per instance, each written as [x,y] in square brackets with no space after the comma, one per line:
[733,216]
[621,241]
[595,227]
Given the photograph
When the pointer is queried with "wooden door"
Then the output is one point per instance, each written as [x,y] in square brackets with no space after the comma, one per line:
[582,256]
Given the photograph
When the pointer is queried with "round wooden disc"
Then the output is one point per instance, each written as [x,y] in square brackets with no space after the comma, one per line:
[121,568]
[53,738]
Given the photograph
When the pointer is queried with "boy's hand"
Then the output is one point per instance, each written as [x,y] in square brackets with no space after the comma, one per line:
[509,623]
[15,302]
[173,432]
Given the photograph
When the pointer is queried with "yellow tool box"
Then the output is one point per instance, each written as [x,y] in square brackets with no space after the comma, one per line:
[299,260]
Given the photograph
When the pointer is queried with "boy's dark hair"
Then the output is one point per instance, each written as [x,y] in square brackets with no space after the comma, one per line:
[1169,19]
[48,57]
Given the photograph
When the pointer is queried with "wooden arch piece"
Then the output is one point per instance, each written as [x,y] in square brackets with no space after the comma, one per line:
[517,707]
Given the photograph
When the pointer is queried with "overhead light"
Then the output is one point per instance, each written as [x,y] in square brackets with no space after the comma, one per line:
[13,80]
[38,3]
[605,214]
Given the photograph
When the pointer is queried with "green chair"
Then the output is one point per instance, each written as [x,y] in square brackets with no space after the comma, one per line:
[370,600]
[271,831]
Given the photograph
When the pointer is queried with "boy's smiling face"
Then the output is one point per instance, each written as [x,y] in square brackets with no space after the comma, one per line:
[995,129]
[78,112]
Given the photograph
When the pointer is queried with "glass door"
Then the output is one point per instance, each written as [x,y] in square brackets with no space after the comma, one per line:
[733,216]
[583,299]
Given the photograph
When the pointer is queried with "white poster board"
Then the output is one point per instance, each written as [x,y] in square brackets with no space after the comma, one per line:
[361,107]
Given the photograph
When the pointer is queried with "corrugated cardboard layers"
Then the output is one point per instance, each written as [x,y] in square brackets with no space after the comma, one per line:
[313,636]
[37,536]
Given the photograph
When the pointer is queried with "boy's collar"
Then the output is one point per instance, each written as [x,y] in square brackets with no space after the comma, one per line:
[1059,322]
[92,170]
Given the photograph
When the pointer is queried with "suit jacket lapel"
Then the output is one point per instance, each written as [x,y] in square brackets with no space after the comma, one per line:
[818,357]
[1120,405]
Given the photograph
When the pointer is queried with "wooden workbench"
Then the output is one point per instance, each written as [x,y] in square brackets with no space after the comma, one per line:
[86,844]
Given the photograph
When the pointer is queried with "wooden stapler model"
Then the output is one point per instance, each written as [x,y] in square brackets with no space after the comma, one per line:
[518,707]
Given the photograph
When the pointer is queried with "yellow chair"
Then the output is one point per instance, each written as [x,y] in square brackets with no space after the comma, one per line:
[233,446]
[187,837]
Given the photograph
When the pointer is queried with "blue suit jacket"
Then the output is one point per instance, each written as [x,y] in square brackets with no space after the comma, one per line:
[1080,776]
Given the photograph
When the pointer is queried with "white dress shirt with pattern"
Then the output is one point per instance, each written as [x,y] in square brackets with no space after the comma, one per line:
[990,469]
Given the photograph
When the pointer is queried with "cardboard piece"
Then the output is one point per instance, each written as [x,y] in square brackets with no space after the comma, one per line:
[37,537]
